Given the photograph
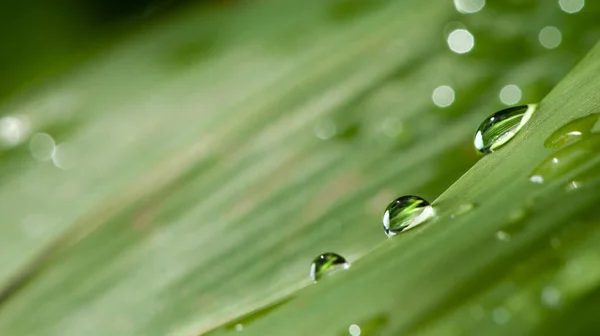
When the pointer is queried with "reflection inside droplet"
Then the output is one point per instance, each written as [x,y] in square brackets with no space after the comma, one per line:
[550,37]
[239,327]
[510,94]
[42,147]
[443,96]
[354,330]
[469,6]
[461,41]
[13,130]
[571,6]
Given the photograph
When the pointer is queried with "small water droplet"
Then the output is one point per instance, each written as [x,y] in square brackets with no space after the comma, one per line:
[373,325]
[517,215]
[566,159]
[404,213]
[325,129]
[572,185]
[242,322]
[572,132]
[586,178]
[500,127]
[551,297]
[462,209]
[327,262]
[354,330]
[501,315]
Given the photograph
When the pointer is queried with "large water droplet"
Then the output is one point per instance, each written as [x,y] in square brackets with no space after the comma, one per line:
[502,126]
[327,262]
[572,132]
[404,213]
[566,159]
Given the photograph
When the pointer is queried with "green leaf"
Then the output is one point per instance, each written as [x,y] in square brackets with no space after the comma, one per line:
[204,162]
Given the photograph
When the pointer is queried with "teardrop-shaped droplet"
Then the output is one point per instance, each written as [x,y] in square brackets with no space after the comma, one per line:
[327,262]
[565,160]
[572,132]
[404,213]
[500,127]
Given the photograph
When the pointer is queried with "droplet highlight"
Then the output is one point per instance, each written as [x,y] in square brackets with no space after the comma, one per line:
[405,213]
[326,263]
[572,132]
[502,126]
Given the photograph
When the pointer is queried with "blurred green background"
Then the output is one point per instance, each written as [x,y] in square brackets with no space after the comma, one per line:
[168,166]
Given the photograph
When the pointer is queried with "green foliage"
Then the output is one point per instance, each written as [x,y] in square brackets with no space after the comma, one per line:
[212,157]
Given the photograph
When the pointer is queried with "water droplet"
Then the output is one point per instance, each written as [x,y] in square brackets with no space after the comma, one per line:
[370,326]
[469,6]
[42,147]
[443,96]
[501,315]
[404,213]
[551,297]
[327,262]
[461,41]
[566,159]
[500,127]
[572,132]
[589,176]
[462,209]
[571,6]
[242,322]
[325,129]
[517,216]
[550,37]
[354,330]
[510,94]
